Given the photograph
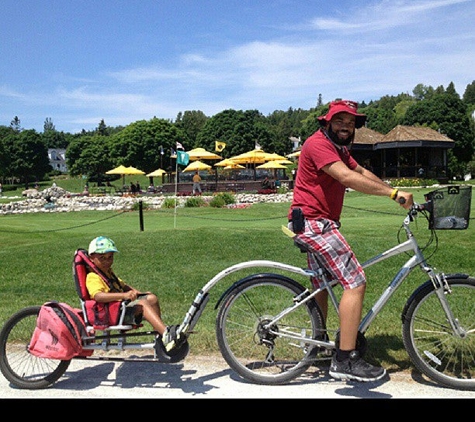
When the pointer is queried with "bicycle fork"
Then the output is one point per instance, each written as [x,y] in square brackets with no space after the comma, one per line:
[442,290]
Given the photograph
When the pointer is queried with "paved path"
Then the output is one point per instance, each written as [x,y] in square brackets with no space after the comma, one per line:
[210,377]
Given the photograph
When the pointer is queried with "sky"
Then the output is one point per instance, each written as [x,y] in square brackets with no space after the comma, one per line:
[78,62]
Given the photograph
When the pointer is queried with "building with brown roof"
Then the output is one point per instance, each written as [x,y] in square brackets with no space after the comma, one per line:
[406,151]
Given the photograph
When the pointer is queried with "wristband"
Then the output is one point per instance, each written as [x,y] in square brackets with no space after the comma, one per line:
[394,193]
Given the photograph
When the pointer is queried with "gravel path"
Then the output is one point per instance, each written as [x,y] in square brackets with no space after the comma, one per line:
[210,377]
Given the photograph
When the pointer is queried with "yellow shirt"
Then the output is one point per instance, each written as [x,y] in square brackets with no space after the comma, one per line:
[96,284]
[196,178]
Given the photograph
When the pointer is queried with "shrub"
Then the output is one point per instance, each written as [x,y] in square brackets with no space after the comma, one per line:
[195,201]
[217,202]
[168,203]
[228,198]
[412,182]
[136,206]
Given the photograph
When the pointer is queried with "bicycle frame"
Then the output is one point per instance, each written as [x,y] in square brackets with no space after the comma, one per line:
[411,244]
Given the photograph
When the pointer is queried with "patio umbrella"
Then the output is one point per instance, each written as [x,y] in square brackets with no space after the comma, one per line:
[224,163]
[117,170]
[202,154]
[274,165]
[197,166]
[283,161]
[122,170]
[271,165]
[276,157]
[293,154]
[255,156]
[232,166]
[156,173]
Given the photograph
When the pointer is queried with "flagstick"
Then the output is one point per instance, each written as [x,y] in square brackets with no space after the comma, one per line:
[176,189]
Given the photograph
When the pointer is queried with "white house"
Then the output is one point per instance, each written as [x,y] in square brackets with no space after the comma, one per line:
[57,159]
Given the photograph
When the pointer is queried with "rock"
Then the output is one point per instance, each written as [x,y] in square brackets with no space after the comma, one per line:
[56,199]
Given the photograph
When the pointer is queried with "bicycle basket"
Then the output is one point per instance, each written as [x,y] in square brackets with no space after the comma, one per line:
[450,207]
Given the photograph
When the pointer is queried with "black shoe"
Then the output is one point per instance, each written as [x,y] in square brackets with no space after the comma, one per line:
[355,368]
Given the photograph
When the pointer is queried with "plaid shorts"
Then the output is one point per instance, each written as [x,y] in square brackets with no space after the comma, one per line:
[329,249]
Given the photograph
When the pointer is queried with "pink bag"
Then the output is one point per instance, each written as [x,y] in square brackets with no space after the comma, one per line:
[58,333]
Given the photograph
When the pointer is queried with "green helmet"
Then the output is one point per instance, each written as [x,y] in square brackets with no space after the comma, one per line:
[102,244]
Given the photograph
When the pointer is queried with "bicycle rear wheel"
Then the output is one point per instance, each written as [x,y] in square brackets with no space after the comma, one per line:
[17,364]
[433,347]
[264,355]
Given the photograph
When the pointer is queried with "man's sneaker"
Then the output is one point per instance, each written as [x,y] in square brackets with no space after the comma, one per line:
[170,337]
[355,368]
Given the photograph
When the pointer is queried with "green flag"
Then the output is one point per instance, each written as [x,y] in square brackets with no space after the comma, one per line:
[182,158]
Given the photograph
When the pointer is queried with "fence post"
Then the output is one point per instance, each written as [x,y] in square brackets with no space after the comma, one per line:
[141,215]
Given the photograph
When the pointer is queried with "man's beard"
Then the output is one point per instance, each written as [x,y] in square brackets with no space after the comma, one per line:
[339,141]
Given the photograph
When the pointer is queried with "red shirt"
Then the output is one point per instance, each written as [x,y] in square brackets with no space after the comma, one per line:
[315,192]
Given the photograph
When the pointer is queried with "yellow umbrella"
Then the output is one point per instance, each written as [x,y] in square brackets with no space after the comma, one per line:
[283,161]
[234,166]
[122,170]
[197,165]
[255,156]
[271,165]
[293,154]
[224,163]
[202,154]
[276,157]
[133,170]
[118,170]
[156,173]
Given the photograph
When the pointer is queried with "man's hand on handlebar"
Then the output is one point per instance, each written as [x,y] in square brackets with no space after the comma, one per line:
[405,199]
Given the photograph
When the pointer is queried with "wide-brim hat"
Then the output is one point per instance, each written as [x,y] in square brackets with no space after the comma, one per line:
[343,106]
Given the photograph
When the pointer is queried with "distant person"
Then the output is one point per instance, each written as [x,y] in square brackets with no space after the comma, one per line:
[196,183]
[138,189]
[266,183]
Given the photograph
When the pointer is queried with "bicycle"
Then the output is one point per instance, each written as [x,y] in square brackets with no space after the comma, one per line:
[270,329]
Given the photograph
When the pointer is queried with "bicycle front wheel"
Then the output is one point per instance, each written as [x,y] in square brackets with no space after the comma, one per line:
[267,354]
[17,364]
[434,348]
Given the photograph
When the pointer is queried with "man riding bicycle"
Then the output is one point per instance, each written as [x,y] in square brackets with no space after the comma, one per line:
[326,170]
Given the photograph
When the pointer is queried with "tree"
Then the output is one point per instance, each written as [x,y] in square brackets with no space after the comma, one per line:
[48,126]
[15,124]
[191,123]
[422,92]
[102,128]
[283,125]
[139,144]
[447,113]
[469,94]
[27,156]
[240,130]
[89,156]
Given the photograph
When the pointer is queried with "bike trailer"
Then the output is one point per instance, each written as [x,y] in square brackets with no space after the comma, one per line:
[449,207]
